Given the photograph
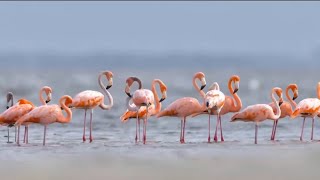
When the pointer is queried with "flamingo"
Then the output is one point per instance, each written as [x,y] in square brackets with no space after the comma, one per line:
[140,97]
[12,114]
[152,110]
[47,114]
[214,101]
[286,109]
[231,104]
[91,99]
[186,106]
[260,112]
[309,107]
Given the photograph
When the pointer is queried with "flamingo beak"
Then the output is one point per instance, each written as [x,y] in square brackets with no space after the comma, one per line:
[235,91]
[61,108]
[294,97]
[207,104]
[47,101]
[7,107]
[280,103]
[202,87]
[108,87]
[162,99]
[129,94]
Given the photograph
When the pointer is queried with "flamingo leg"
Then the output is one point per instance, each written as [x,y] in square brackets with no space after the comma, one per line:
[84,126]
[27,141]
[18,141]
[183,130]
[145,126]
[312,128]
[256,135]
[272,133]
[139,129]
[44,135]
[222,139]
[25,134]
[15,134]
[91,125]
[8,135]
[215,138]
[275,129]
[136,139]
[209,127]
[304,120]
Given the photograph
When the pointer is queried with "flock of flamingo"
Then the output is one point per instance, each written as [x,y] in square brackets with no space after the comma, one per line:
[144,103]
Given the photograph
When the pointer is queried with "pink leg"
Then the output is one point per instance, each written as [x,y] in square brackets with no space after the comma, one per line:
[145,131]
[44,135]
[215,138]
[27,141]
[222,139]
[304,120]
[84,126]
[184,129]
[181,130]
[275,130]
[136,130]
[25,134]
[18,141]
[209,138]
[15,134]
[272,133]
[312,128]
[256,135]
[139,129]
[91,125]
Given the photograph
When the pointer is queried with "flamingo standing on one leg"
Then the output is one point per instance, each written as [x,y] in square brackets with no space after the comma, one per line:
[91,99]
[140,97]
[152,110]
[260,112]
[214,101]
[309,107]
[186,106]
[47,114]
[232,104]
[286,109]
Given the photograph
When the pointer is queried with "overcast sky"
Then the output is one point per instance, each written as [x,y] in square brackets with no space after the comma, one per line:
[276,27]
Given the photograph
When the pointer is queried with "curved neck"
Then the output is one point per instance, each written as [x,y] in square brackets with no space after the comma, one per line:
[62,118]
[131,106]
[318,90]
[195,85]
[102,105]
[289,98]
[235,97]
[277,115]
[42,101]
[156,96]
[11,100]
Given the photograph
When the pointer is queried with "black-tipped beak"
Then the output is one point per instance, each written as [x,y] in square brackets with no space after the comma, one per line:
[129,94]
[70,107]
[294,97]
[235,91]
[162,99]
[7,107]
[207,104]
[61,108]
[202,87]
[108,87]
[280,103]
[47,101]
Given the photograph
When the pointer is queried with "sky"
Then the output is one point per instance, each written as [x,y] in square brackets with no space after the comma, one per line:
[244,27]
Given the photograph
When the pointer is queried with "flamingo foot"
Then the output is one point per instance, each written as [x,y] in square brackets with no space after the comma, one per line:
[144,140]
[83,138]
[300,138]
[91,139]
[209,139]
[222,139]
[215,138]
[136,139]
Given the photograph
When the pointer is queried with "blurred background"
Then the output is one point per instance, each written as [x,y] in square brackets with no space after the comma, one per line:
[66,44]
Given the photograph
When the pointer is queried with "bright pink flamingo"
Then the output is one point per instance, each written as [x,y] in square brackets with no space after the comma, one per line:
[260,112]
[309,107]
[152,110]
[231,104]
[91,99]
[286,109]
[186,106]
[47,114]
[140,97]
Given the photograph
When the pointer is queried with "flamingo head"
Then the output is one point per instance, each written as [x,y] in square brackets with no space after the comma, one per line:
[163,89]
[201,77]
[235,79]
[129,83]
[67,101]
[278,91]
[109,76]
[294,89]
[48,92]
[9,98]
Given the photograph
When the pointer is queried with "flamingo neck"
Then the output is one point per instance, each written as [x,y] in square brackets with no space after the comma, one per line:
[318,90]
[277,115]
[195,85]
[42,101]
[62,118]
[235,96]
[131,106]
[156,96]
[102,105]
[289,98]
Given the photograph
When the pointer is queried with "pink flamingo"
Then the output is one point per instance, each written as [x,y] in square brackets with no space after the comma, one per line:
[286,109]
[186,106]
[232,104]
[47,114]
[91,99]
[140,97]
[260,112]
[309,107]
[152,110]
